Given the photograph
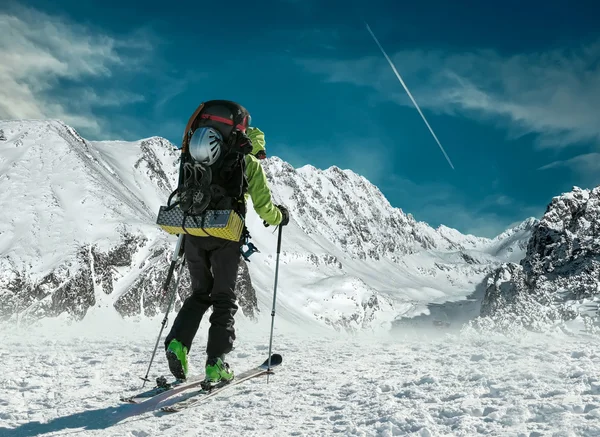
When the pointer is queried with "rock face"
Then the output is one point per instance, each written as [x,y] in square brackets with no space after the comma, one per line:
[559,278]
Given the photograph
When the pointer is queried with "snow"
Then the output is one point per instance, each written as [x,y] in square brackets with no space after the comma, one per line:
[396,291]
[358,263]
[63,379]
[63,191]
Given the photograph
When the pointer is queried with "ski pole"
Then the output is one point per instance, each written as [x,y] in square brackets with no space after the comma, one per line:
[274,299]
[176,255]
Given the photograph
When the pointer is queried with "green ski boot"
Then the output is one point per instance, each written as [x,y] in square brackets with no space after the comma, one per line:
[217,370]
[177,358]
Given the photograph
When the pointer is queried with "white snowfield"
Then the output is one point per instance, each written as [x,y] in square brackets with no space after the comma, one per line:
[66,380]
[349,261]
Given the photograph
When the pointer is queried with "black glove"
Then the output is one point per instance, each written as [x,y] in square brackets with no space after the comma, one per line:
[285,215]
[241,143]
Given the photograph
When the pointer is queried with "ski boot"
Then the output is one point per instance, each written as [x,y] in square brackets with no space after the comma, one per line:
[217,370]
[177,358]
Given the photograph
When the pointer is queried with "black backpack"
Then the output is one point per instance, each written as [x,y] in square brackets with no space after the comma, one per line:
[222,185]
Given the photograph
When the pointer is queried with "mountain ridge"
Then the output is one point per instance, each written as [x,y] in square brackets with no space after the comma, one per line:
[102,197]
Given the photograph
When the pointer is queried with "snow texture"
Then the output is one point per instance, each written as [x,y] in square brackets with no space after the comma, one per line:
[416,384]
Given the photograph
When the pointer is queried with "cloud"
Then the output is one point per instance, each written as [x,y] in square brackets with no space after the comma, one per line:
[366,156]
[440,203]
[173,87]
[45,62]
[586,166]
[589,162]
[554,94]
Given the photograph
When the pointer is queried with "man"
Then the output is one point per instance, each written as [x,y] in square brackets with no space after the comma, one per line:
[213,265]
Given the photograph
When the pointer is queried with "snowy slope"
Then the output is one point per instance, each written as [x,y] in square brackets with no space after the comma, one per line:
[70,206]
[62,189]
[511,245]
[78,231]
[77,239]
[420,385]
[352,259]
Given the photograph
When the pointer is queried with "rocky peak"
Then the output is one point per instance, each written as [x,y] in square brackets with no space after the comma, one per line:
[561,268]
[568,233]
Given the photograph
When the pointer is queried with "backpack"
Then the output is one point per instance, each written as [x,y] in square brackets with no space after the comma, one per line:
[220,186]
[211,197]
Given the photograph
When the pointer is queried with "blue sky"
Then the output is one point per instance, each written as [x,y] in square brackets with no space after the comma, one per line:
[512,90]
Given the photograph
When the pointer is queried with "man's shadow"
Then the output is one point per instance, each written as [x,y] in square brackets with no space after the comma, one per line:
[90,419]
[96,419]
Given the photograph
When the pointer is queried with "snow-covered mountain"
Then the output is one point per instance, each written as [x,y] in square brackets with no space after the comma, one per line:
[77,229]
[76,226]
[559,278]
[511,245]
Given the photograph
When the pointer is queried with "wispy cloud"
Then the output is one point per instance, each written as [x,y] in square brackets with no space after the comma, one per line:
[588,162]
[586,167]
[440,203]
[367,156]
[46,61]
[555,94]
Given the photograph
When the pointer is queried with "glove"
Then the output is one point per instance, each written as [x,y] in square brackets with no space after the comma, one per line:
[241,143]
[285,215]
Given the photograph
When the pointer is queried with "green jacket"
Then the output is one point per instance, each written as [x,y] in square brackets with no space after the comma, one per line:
[258,139]
[258,188]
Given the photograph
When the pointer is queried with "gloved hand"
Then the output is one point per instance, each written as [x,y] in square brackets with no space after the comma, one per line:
[241,143]
[285,215]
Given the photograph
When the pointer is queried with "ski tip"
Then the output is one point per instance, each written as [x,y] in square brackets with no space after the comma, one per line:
[276,360]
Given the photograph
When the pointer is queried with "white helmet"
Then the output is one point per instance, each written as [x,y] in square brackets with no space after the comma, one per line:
[205,145]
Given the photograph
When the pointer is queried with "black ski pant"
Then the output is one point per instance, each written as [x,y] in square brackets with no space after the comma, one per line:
[213,265]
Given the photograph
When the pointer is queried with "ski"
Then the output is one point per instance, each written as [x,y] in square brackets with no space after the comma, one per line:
[163,386]
[204,394]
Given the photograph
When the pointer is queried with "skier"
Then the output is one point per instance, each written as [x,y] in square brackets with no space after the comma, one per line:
[213,265]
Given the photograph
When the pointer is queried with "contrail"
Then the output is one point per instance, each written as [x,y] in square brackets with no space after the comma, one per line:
[409,94]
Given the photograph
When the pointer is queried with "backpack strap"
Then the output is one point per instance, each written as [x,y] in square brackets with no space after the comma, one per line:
[186,137]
